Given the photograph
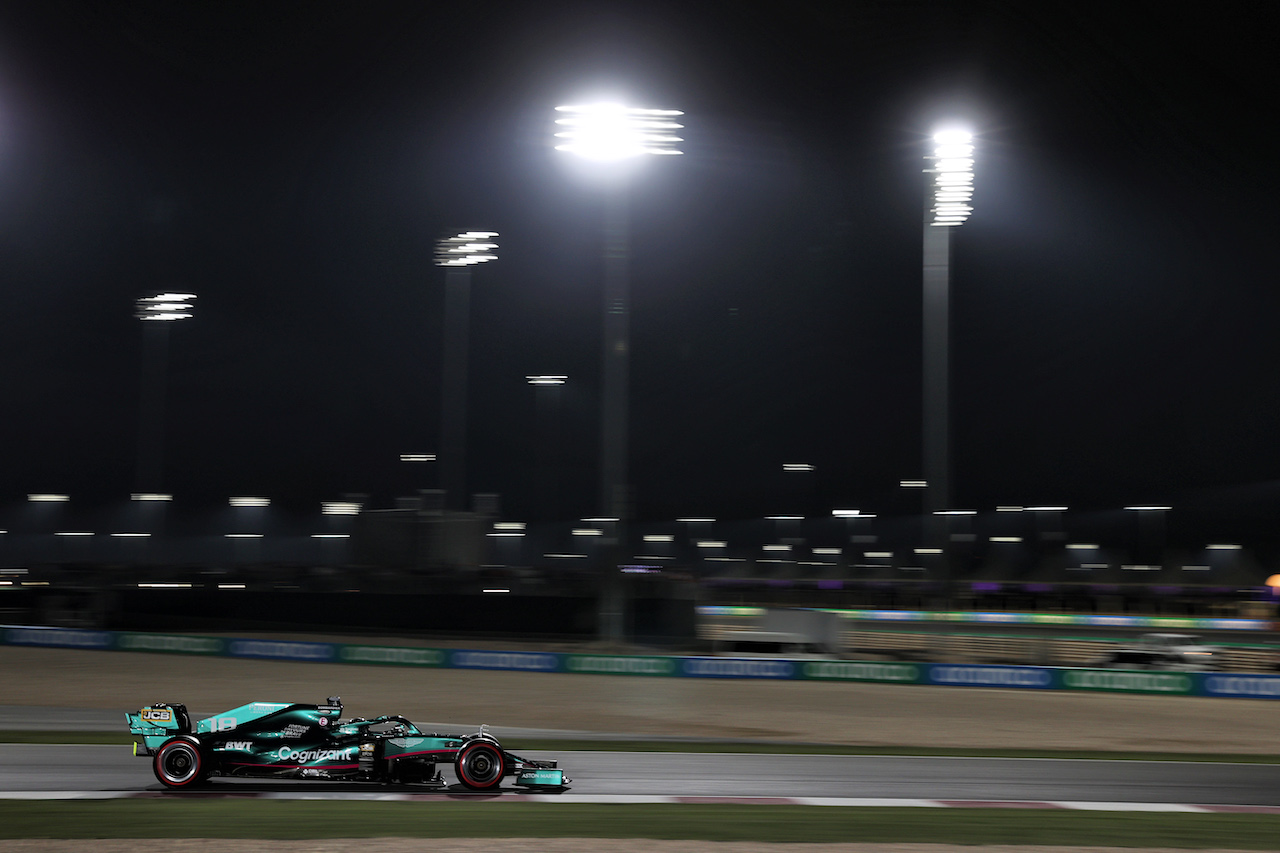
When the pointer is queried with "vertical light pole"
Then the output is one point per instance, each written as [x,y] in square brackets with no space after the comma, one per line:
[610,132]
[158,313]
[950,191]
[457,254]
[547,387]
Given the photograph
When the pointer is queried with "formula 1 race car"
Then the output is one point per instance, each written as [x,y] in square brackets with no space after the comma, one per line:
[289,740]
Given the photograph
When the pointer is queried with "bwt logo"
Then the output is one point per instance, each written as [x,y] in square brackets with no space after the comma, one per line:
[994,676]
[737,668]
[505,660]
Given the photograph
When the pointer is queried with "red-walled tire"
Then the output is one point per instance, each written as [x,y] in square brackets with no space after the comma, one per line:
[180,764]
[480,766]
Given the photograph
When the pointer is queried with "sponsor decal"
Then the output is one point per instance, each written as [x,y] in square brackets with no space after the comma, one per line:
[68,637]
[1124,681]
[392,655]
[238,746]
[506,660]
[366,749]
[738,668]
[169,643]
[222,724]
[991,676]
[540,777]
[1255,686]
[862,671]
[293,730]
[301,756]
[324,721]
[620,665]
[280,649]
[157,715]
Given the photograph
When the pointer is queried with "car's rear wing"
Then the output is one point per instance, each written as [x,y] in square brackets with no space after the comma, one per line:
[155,724]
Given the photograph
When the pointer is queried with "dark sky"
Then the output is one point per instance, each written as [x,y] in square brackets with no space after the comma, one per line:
[1114,295]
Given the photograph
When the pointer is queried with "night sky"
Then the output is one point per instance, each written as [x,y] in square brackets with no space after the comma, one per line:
[1114,295]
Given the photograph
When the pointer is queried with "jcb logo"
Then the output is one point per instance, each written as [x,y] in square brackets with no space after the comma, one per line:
[157,715]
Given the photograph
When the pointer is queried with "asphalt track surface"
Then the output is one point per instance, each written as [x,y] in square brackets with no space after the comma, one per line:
[103,768]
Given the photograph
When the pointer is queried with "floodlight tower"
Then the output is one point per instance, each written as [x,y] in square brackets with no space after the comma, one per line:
[457,254]
[609,132]
[158,312]
[612,133]
[949,194]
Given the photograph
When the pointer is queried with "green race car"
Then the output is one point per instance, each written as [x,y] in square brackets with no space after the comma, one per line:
[299,741]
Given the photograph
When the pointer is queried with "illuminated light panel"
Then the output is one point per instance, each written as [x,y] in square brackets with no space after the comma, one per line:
[696,520]
[952,165]
[508,525]
[165,307]
[797,466]
[727,559]
[601,520]
[1082,546]
[340,508]
[249,501]
[659,537]
[466,249]
[828,551]
[231,586]
[913,484]
[506,534]
[956,512]
[1140,568]
[417,457]
[777,547]
[1223,547]
[784,518]
[48,498]
[495,590]
[164,586]
[927,550]
[565,556]
[130,535]
[878,555]
[1008,509]
[1006,538]
[587,531]
[330,535]
[547,379]
[711,543]
[616,132]
[150,496]
[242,535]
[1046,509]
[1148,508]
[846,513]
[72,533]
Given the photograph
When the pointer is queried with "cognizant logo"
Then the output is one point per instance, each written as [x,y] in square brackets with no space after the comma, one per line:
[304,755]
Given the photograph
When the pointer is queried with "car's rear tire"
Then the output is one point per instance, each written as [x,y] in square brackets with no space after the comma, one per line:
[180,763]
[480,766]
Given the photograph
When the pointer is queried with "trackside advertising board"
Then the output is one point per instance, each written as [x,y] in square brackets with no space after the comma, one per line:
[1222,684]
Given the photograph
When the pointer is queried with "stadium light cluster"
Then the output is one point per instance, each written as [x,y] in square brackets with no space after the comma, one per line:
[165,306]
[616,132]
[467,248]
[952,167]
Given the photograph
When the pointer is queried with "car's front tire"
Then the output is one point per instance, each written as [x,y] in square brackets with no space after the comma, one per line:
[480,766]
[180,763]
